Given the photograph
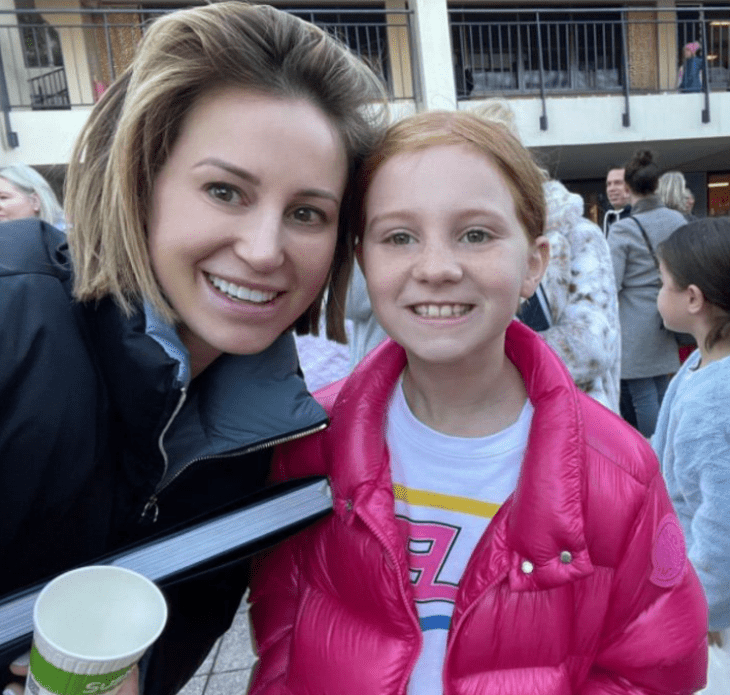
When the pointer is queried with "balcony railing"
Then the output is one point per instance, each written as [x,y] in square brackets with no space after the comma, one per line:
[66,58]
[579,51]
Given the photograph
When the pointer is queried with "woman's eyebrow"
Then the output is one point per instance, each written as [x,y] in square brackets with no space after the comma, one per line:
[230,168]
[256,181]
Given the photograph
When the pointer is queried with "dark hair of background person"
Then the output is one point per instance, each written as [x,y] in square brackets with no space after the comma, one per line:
[641,173]
[699,254]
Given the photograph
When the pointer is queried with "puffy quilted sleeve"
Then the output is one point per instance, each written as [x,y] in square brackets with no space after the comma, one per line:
[654,639]
[274,595]
[274,588]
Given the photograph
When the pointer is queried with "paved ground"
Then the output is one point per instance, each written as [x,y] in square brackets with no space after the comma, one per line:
[228,667]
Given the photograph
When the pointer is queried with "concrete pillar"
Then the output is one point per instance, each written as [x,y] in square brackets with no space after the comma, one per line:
[71,33]
[399,50]
[435,54]
[643,50]
[667,40]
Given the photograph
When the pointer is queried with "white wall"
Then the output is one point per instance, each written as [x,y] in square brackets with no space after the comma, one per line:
[45,137]
[598,119]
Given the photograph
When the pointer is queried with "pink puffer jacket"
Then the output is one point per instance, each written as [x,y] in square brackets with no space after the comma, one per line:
[580,583]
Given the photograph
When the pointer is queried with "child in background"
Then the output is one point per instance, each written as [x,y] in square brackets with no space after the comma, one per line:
[692,437]
[496,531]
[689,76]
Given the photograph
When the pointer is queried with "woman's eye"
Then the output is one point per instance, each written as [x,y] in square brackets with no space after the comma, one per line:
[476,236]
[307,215]
[224,192]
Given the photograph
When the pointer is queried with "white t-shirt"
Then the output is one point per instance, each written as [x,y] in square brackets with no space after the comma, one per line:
[447,490]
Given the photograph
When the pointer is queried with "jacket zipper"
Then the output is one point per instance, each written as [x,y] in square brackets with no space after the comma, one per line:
[152,501]
[410,609]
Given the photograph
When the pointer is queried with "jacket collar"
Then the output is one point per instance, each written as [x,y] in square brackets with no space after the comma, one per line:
[651,202]
[240,401]
[544,516]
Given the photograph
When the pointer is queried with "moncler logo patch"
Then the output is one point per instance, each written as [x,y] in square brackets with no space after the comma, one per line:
[668,557]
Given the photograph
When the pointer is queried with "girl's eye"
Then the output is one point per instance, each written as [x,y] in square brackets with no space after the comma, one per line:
[400,238]
[307,215]
[476,236]
[224,192]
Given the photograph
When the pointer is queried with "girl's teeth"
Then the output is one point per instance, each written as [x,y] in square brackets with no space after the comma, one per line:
[441,310]
[238,292]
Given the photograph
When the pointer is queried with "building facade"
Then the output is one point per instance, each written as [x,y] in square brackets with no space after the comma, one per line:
[589,84]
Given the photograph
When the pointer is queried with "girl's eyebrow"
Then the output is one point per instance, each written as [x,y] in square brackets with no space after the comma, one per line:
[256,181]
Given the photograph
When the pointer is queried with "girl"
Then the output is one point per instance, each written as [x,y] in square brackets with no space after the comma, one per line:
[496,530]
[692,439]
[146,374]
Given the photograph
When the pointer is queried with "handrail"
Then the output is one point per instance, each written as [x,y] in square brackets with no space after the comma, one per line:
[106,32]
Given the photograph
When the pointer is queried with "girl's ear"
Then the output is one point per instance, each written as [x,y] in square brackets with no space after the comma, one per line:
[695,299]
[538,259]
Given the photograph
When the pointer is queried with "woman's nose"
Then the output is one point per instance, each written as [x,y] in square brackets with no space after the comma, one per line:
[260,242]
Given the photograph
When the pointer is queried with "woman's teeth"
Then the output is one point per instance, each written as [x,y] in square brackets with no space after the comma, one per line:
[238,292]
[441,310]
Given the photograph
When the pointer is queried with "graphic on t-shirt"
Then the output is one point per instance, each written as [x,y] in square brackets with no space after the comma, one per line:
[429,545]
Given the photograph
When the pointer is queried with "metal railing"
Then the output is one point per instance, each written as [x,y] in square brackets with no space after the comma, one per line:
[50,91]
[66,58]
[586,51]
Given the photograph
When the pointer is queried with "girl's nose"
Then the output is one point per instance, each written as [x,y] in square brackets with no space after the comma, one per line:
[437,263]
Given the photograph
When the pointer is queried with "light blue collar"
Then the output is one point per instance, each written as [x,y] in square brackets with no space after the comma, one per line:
[166,336]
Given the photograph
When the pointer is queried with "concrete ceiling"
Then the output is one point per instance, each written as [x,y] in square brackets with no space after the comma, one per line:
[571,162]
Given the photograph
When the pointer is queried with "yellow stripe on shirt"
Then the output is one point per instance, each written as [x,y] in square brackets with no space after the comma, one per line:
[452,503]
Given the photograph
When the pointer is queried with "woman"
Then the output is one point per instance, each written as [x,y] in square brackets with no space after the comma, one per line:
[648,352]
[25,193]
[673,192]
[470,550]
[148,370]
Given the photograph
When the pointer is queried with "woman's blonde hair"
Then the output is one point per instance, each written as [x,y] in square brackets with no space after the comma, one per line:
[672,190]
[132,130]
[28,181]
[488,137]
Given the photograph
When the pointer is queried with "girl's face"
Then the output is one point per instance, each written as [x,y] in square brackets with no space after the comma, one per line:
[244,218]
[445,257]
[15,204]
[672,302]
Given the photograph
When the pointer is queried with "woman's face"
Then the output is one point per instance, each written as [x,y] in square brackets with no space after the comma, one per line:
[445,257]
[244,218]
[15,204]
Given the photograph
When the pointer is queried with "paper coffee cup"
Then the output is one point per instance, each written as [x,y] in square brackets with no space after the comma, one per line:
[91,625]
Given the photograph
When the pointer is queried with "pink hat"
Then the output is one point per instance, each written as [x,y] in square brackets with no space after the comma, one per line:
[693,46]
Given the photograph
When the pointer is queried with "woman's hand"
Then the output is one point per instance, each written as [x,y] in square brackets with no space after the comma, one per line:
[20,668]
[714,638]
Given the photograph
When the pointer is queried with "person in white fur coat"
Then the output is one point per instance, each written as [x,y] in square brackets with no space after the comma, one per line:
[580,290]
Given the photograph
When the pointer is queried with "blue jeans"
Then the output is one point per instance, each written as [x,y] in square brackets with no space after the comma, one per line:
[646,397]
